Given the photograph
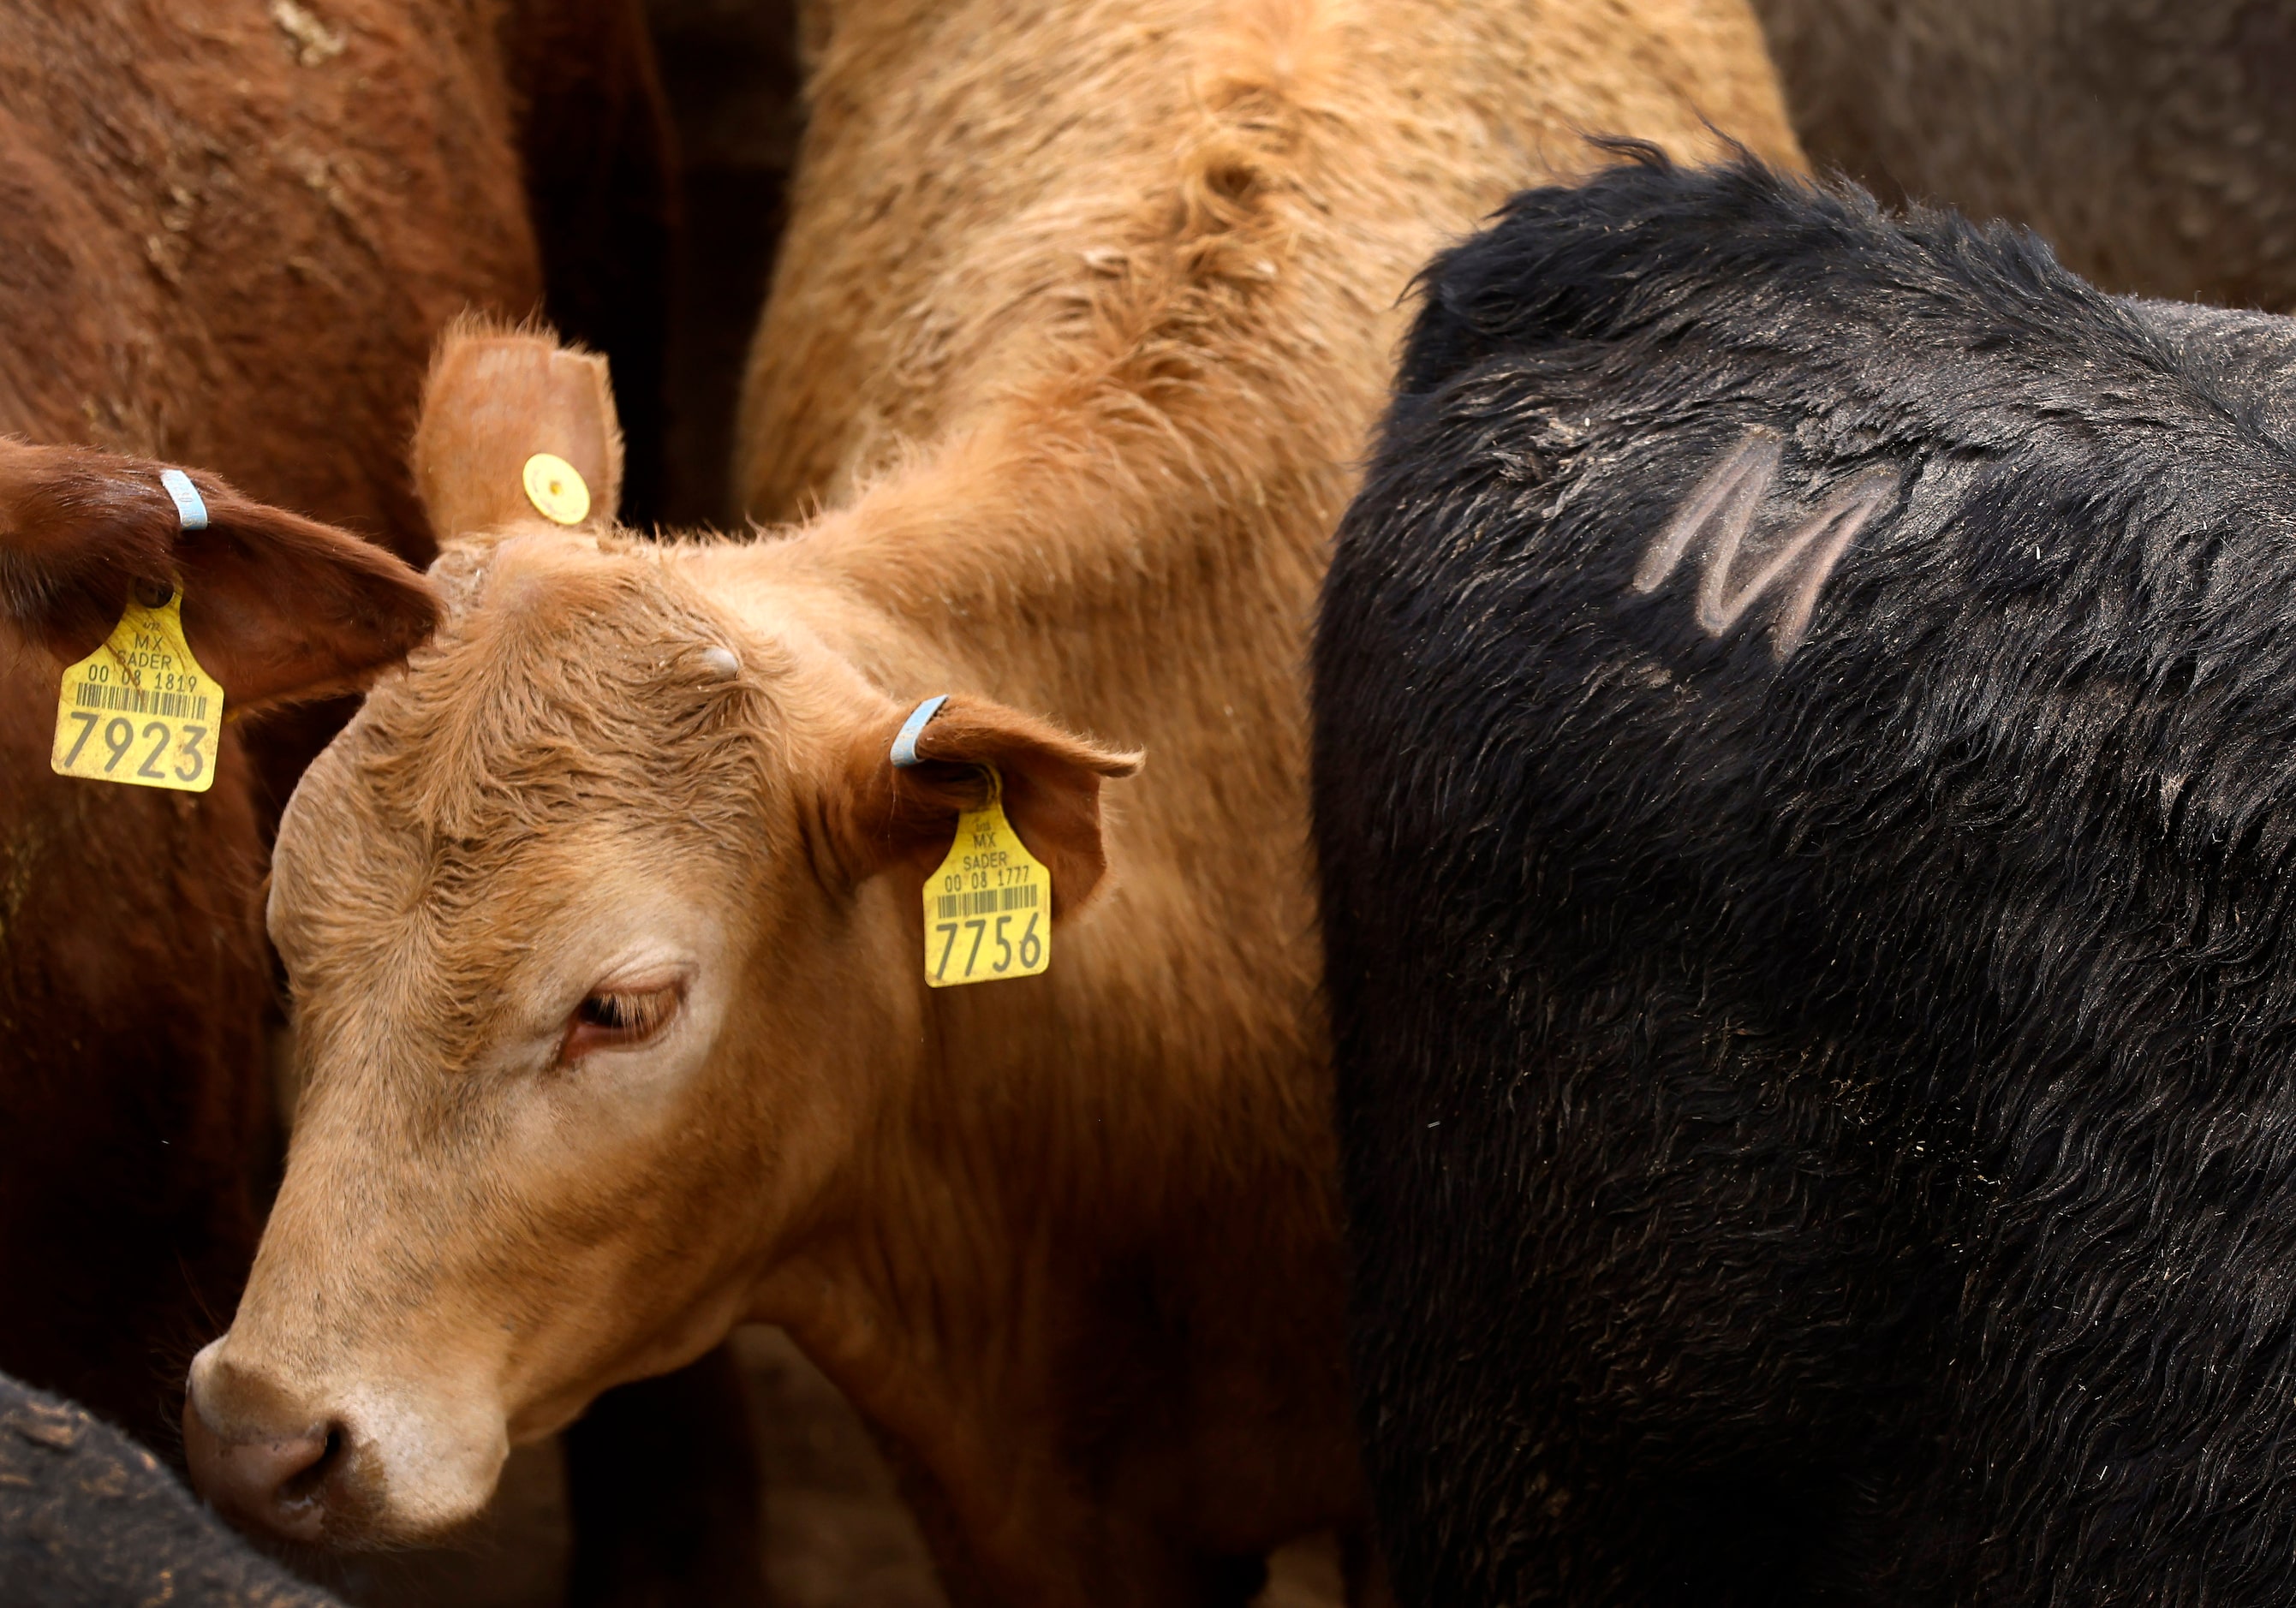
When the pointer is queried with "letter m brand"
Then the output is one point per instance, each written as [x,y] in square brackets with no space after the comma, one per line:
[1792,570]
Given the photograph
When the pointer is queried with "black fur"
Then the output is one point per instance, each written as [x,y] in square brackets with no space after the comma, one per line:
[1818,1130]
[88,1519]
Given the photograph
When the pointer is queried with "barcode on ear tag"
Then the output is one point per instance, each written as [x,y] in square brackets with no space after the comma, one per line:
[140,709]
[988,909]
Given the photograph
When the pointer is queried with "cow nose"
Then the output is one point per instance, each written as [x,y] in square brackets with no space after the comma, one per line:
[276,1482]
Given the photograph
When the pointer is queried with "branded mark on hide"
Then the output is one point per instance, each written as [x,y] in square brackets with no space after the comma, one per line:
[1720,516]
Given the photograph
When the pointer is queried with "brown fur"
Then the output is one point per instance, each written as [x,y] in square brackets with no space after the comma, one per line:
[220,254]
[234,230]
[2150,142]
[1083,315]
[229,241]
[236,247]
[134,974]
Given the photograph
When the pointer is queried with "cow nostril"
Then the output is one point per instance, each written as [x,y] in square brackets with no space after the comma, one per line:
[275,1482]
[303,1485]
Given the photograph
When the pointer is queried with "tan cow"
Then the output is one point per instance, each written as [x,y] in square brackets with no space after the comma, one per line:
[604,917]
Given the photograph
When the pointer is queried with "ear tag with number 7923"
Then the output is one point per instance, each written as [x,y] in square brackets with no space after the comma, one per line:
[988,909]
[140,709]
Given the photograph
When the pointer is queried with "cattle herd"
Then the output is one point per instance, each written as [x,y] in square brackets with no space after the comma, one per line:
[1432,799]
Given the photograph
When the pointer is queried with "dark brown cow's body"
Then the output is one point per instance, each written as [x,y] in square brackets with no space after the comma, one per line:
[133,1115]
[237,226]
[2148,141]
[233,230]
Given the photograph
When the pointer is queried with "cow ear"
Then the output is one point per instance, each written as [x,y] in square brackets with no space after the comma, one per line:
[494,399]
[885,815]
[276,607]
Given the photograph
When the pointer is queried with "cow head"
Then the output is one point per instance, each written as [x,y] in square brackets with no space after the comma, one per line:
[602,924]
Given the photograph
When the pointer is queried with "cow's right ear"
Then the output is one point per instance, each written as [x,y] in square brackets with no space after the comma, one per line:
[898,808]
[276,607]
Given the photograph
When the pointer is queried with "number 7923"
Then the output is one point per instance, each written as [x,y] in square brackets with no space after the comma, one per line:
[149,752]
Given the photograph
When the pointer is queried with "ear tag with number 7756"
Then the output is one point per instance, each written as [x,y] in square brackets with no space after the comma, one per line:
[140,709]
[988,909]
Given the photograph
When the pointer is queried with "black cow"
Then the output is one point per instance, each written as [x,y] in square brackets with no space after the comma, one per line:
[1805,780]
[88,1519]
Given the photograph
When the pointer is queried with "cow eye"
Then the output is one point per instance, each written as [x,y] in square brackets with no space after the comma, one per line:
[612,1018]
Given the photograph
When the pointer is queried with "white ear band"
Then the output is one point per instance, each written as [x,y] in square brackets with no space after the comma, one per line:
[191,511]
[905,741]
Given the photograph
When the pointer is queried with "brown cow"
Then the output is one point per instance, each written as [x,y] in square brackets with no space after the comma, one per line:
[234,229]
[231,238]
[136,973]
[2151,144]
[605,918]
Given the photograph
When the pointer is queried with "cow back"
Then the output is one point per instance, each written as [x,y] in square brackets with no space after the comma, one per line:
[1802,782]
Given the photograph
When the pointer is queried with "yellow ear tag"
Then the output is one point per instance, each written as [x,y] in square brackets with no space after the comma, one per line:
[988,909]
[556,488]
[140,709]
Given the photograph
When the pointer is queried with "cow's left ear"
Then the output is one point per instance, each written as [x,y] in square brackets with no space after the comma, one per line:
[276,607]
[886,814]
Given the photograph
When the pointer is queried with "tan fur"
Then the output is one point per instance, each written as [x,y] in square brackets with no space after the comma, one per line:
[495,396]
[1083,315]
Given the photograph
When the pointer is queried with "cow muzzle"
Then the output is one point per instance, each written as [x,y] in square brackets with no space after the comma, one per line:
[365,1466]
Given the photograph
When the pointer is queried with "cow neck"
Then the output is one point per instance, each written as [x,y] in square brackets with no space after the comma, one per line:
[1123,532]
[1150,586]
[1117,519]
